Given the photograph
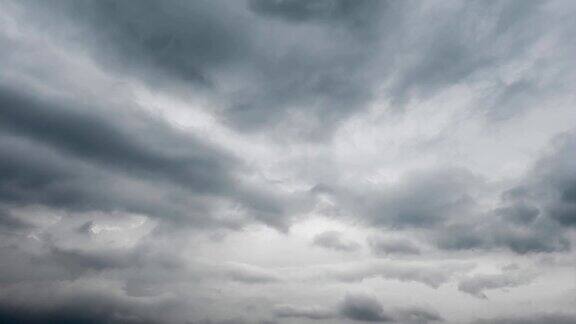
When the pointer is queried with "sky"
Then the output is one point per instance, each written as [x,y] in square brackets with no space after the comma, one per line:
[287,161]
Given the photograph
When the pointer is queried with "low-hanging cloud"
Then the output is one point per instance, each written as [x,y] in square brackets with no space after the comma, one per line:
[257,161]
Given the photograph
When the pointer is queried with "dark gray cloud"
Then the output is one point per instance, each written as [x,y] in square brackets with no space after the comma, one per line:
[534,215]
[363,308]
[172,39]
[198,44]
[134,146]
[443,205]
[102,313]
[81,307]
[366,308]
[322,69]
[324,72]
[103,138]
[335,240]
[359,307]
[69,184]
[350,14]
[419,315]
[541,236]
[554,182]
[383,246]
[308,112]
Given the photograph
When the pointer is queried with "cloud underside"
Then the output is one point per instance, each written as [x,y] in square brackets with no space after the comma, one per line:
[263,161]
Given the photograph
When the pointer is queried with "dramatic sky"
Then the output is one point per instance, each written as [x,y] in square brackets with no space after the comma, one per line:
[287,161]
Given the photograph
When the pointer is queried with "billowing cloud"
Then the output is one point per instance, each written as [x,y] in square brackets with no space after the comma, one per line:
[363,308]
[256,161]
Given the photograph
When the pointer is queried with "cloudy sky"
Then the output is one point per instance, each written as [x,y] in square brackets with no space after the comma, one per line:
[287,161]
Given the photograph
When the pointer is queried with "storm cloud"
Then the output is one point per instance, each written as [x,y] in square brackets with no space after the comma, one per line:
[287,161]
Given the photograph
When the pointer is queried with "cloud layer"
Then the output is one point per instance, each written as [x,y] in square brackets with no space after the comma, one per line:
[287,161]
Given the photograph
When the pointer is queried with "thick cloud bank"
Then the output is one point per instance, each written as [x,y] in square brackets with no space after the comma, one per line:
[287,161]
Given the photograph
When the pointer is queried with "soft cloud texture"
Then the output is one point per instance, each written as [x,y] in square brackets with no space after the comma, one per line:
[287,161]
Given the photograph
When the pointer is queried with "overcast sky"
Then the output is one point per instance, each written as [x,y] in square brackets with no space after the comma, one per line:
[287,161]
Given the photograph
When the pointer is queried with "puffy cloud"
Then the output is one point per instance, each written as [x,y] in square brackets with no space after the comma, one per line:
[363,308]
[447,207]
[533,216]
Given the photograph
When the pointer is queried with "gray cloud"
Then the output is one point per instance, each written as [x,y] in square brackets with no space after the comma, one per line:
[366,308]
[355,15]
[250,274]
[541,236]
[77,260]
[444,206]
[418,52]
[10,223]
[203,41]
[81,307]
[419,315]
[335,240]
[359,307]
[534,215]
[185,41]
[74,185]
[363,308]
[422,199]
[83,133]
[477,284]
[540,318]
[136,148]
[168,162]
[382,246]
[432,275]
[554,182]
[310,312]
